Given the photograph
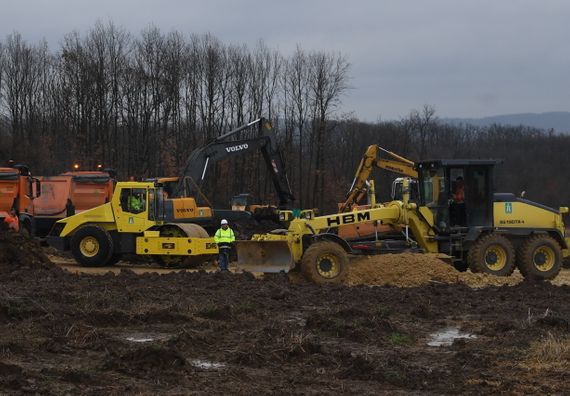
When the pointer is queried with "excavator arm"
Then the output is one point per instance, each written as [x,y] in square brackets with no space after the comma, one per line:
[203,158]
[371,160]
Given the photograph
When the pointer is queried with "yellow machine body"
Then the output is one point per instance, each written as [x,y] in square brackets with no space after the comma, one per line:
[281,252]
[518,215]
[143,229]
[152,243]
[186,208]
[518,231]
[523,215]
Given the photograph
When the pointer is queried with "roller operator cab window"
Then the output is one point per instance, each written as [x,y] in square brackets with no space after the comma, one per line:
[133,200]
[156,199]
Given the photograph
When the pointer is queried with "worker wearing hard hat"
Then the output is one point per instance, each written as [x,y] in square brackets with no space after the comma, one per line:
[224,237]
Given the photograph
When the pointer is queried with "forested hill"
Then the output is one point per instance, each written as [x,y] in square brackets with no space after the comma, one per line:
[141,104]
[559,121]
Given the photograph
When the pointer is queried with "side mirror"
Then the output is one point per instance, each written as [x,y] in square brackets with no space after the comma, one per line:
[38,188]
[522,194]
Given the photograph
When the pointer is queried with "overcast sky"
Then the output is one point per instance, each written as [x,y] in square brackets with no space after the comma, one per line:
[467,58]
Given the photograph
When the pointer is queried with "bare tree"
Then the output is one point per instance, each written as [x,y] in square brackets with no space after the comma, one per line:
[328,81]
[296,86]
[421,125]
[23,68]
[212,70]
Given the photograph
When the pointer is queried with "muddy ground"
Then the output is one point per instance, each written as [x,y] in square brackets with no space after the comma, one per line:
[199,332]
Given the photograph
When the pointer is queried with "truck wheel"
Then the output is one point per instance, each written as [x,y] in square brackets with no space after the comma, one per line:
[324,262]
[492,254]
[181,230]
[92,246]
[540,257]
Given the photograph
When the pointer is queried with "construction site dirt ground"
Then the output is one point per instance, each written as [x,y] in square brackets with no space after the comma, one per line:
[400,325]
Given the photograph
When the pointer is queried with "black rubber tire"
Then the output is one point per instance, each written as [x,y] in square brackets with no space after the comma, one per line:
[529,254]
[314,259]
[483,250]
[104,253]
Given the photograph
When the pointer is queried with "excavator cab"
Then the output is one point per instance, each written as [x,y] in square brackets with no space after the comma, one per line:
[459,193]
[397,193]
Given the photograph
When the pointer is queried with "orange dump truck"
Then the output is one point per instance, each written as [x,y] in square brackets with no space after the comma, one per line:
[69,193]
[18,190]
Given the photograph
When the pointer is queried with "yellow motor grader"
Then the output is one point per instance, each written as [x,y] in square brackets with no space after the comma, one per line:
[487,232]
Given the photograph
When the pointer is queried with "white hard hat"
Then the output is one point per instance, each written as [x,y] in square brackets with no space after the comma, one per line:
[224,221]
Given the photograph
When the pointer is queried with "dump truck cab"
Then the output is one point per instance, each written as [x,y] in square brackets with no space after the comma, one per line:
[18,190]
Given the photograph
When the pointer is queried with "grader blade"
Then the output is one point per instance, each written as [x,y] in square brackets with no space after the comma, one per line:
[264,256]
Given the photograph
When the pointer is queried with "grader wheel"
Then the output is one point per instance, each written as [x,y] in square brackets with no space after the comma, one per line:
[92,246]
[540,257]
[492,254]
[324,262]
[181,230]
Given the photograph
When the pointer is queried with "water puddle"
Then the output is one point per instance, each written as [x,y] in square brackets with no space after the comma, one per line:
[204,364]
[297,319]
[138,339]
[446,337]
[145,337]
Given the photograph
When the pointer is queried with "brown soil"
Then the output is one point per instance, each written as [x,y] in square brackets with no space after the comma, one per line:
[198,332]
[18,253]
[410,270]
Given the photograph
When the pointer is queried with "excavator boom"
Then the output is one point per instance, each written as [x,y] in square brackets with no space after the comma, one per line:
[203,158]
[371,160]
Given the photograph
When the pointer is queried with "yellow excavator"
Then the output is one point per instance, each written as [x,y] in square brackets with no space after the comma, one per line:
[365,237]
[489,232]
[371,160]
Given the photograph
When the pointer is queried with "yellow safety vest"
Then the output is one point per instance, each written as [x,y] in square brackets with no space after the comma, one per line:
[224,236]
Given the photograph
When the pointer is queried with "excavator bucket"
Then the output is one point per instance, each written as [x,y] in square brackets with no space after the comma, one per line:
[264,256]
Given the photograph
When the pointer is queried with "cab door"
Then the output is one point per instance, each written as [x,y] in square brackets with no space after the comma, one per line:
[479,196]
[434,196]
[133,212]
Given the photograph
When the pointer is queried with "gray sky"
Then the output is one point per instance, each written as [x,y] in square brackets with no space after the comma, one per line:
[467,58]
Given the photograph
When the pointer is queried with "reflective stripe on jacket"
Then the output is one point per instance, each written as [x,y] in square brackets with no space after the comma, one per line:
[224,236]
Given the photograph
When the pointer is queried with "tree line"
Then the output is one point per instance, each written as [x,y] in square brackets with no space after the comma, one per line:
[141,104]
